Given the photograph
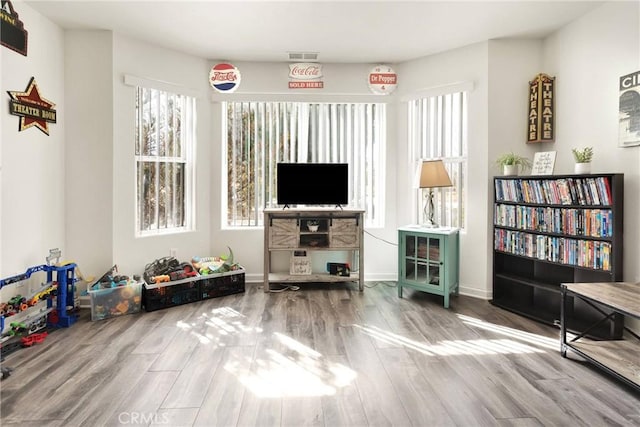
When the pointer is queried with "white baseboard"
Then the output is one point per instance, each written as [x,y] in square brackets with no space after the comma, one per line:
[475,292]
[393,277]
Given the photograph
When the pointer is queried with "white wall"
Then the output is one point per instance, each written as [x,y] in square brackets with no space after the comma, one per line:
[428,75]
[588,57]
[89,148]
[140,59]
[512,64]
[32,163]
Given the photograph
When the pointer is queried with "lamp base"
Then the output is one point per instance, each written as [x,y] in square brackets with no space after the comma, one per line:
[429,225]
[429,220]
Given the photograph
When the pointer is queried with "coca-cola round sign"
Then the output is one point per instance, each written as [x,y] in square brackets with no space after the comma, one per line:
[382,80]
[224,78]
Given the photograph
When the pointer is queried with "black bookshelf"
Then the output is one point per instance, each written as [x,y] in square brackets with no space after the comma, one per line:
[557,229]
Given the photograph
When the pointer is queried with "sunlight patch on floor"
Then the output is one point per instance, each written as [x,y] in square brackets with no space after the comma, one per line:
[451,347]
[293,370]
[224,321]
[533,339]
[288,368]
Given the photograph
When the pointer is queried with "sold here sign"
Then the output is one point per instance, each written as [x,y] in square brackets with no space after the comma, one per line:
[305,76]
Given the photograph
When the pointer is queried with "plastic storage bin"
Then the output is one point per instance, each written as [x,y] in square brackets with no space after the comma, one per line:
[118,301]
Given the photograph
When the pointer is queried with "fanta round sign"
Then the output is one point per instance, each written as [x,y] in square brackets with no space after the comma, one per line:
[382,80]
[224,78]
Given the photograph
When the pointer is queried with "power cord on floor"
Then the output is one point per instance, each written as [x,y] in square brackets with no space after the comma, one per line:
[286,288]
[381,239]
[387,284]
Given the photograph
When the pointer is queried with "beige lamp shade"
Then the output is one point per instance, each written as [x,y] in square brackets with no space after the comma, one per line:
[433,174]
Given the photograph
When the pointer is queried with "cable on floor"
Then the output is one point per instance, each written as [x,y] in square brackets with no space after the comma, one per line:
[381,239]
[286,288]
[387,284]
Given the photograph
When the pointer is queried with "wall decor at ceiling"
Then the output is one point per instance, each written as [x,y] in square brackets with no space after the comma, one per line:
[382,80]
[225,78]
[541,109]
[32,108]
[305,75]
[12,32]
[629,111]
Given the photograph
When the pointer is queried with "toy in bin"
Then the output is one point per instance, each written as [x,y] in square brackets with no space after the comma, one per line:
[215,264]
[167,269]
[115,295]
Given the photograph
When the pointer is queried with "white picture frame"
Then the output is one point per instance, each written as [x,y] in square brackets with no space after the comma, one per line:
[543,163]
[629,110]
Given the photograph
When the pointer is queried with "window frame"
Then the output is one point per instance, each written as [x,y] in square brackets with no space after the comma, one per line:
[294,125]
[419,149]
[186,158]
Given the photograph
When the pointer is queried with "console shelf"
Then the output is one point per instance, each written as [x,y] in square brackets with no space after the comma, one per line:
[618,357]
[311,230]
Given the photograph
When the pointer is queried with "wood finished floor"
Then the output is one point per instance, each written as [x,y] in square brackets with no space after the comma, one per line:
[326,355]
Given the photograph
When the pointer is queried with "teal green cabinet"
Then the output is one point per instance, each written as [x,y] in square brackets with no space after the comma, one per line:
[428,260]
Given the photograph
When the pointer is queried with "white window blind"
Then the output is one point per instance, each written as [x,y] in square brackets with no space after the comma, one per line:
[164,147]
[262,134]
[438,129]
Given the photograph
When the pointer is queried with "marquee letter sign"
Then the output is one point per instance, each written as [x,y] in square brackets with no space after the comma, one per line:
[12,32]
[541,109]
[33,109]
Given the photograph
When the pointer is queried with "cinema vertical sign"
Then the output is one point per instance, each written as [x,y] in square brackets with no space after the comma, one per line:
[12,32]
[541,109]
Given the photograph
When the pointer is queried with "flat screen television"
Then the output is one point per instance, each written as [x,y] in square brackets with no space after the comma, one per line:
[312,183]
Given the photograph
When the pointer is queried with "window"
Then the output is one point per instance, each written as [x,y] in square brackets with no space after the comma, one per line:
[261,134]
[165,142]
[438,129]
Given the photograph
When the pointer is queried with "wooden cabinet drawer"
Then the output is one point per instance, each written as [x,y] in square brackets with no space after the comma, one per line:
[283,233]
[344,233]
[344,225]
[347,240]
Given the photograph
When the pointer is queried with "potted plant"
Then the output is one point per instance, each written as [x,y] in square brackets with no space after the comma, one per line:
[583,159]
[511,163]
[312,225]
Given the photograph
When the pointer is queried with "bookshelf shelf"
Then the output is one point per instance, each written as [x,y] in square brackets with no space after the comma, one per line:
[550,230]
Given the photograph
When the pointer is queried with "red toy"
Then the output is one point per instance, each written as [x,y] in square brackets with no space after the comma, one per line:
[29,340]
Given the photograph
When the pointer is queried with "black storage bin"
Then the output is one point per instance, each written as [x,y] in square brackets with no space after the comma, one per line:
[219,285]
[170,294]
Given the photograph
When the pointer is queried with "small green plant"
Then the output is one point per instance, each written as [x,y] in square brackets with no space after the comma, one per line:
[510,159]
[583,156]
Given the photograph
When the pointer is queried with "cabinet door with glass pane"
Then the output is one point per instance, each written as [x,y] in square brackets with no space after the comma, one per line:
[428,260]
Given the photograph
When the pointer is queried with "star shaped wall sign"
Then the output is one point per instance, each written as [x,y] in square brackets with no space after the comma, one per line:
[32,108]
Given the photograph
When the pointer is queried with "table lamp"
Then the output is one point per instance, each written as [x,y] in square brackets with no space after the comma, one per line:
[432,175]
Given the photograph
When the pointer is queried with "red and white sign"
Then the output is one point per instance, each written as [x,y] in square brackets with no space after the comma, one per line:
[224,78]
[305,75]
[382,80]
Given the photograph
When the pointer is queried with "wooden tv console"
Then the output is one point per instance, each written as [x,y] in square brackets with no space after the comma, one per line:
[287,230]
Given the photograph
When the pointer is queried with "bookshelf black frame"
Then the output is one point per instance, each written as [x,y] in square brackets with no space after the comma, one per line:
[531,258]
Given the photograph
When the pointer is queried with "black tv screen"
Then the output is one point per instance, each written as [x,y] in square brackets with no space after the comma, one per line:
[312,183]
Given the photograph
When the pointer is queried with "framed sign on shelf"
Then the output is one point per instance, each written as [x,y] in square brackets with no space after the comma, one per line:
[543,163]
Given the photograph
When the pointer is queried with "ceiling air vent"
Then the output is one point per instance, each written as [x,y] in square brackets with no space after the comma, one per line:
[303,56]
